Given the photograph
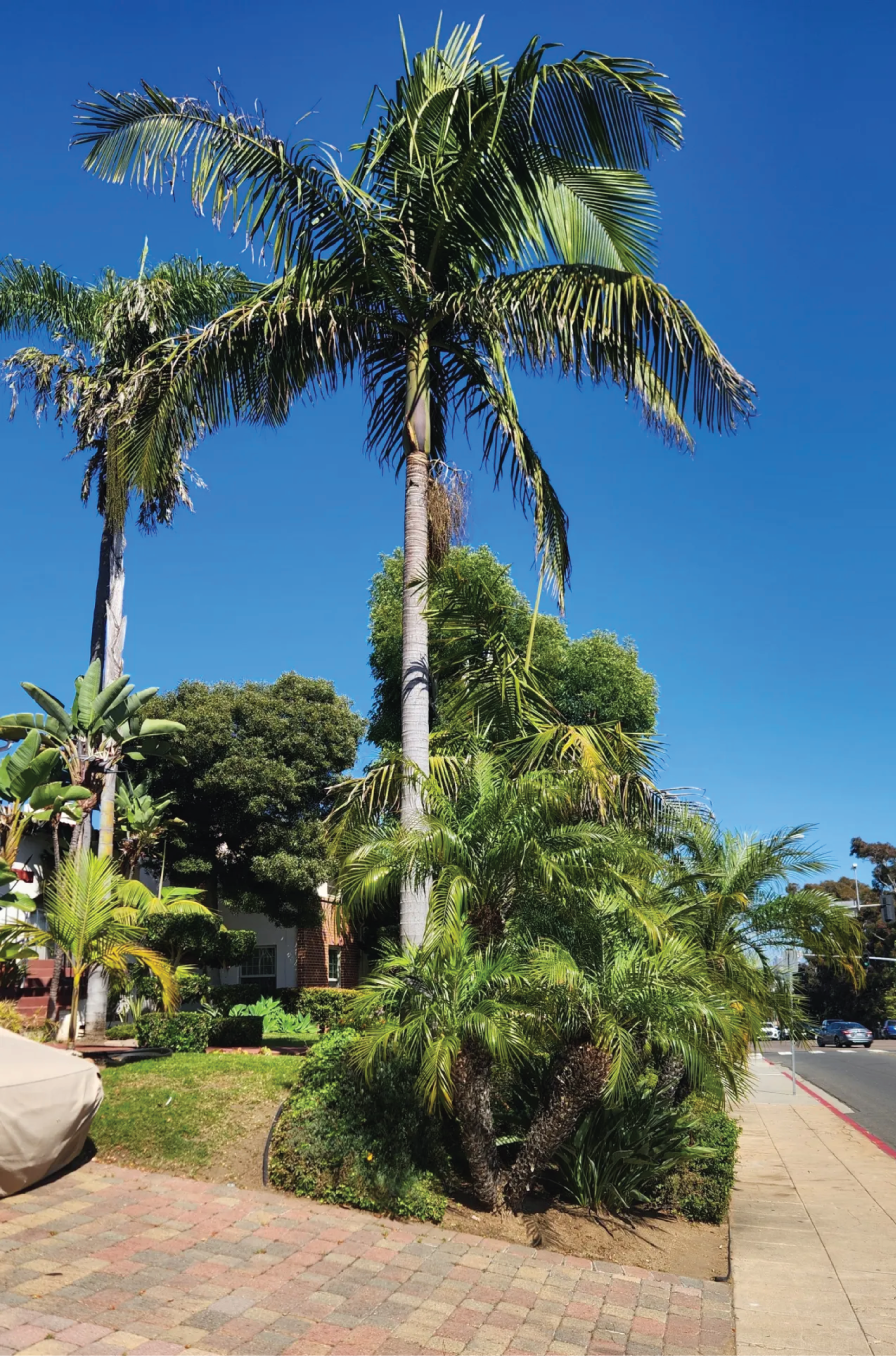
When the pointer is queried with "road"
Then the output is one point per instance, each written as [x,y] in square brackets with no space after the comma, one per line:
[864,1079]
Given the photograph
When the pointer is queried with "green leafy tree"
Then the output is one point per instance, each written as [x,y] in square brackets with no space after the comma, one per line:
[260,760]
[497,218]
[86,919]
[883,855]
[593,679]
[31,793]
[104,726]
[143,821]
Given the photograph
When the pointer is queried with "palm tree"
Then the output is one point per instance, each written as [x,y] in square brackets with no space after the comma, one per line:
[497,217]
[733,896]
[461,1012]
[104,726]
[103,329]
[456,1010]
[88,923]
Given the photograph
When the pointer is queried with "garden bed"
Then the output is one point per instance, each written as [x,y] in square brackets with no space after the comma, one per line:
[649,1239]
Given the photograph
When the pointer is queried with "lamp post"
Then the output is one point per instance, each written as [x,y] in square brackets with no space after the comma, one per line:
[790,960]
[855,881]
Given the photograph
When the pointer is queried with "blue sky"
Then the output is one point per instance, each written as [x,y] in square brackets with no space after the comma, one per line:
[756,577]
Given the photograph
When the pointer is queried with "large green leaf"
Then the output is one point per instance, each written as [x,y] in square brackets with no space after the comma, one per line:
[88,689]
[57,794]
[161,727]
[17,725]
[52,705]
[104,703]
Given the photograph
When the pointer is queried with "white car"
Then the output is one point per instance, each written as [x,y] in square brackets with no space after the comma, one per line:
[771,1031]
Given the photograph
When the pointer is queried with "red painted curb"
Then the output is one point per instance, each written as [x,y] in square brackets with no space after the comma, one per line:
[886,1148]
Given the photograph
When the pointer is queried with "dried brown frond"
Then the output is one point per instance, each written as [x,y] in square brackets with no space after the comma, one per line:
[447,505]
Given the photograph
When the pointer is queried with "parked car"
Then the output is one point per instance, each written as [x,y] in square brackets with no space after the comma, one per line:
[771,1031]
[844,1034]
[888,1029]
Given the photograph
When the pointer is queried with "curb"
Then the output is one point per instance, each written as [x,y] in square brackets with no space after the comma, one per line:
[879,1143]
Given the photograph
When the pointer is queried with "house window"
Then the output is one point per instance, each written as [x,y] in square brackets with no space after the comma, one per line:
[334,965]
[262,964]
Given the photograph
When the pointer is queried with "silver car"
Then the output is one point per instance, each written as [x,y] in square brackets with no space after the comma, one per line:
[844,1034]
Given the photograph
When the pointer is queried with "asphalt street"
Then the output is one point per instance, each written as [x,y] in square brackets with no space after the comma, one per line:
[864,1079]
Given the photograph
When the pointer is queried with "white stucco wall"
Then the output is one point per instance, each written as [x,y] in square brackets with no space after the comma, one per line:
[268,934]
[31,854]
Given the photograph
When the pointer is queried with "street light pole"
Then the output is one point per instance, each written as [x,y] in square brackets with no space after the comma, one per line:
[855,881]
[790,955]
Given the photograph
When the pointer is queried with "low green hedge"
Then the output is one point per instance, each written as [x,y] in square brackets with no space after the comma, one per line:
[701,1189]
[121,1031]
[344,1139]
[232,1031]
[197,1030]
[327,1007]
[175,1030]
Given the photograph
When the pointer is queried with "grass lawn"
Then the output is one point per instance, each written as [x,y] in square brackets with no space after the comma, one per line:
[195,1115]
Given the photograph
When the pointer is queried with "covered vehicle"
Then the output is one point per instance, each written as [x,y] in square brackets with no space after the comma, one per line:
[47,1102]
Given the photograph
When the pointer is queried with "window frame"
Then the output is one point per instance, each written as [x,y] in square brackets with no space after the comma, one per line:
[256,974]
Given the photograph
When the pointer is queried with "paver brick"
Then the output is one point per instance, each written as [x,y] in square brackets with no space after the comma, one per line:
[176,1265]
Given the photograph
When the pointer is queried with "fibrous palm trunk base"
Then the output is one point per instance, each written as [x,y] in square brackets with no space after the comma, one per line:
[576,1082]
[473,1108]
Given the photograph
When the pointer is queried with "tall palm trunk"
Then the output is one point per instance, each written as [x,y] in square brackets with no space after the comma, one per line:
[414,638]
[113,665]
[58,953]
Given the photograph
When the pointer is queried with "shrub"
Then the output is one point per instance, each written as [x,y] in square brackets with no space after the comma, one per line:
[193,988]
[369,1145]
[232,1030]
[621,1156]
[10,1017]
[277,1022]
[326,1007]
[122,1031]
[174,1031]
[701,1188]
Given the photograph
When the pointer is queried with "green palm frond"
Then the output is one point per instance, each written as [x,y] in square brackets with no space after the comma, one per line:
[282,195]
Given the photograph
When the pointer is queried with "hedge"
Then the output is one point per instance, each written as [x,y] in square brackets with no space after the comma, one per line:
[197,1030]
[701,1190]
[328,1007]
[353,1141]
[174,1031]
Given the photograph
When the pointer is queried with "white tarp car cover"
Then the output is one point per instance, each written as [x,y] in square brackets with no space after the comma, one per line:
[47,1101]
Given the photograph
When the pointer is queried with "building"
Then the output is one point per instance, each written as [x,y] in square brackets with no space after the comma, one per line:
[284,958]
[287,958]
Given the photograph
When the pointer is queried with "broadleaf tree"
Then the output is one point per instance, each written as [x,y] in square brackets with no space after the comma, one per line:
[259,761]
[592,679]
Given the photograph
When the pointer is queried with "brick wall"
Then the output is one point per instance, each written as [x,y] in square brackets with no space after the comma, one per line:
[312,954]
[34,996]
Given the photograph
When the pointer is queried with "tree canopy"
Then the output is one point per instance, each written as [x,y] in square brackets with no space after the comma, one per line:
[592,679]
[259,760]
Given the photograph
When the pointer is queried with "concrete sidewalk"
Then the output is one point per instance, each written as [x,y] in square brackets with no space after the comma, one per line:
[813,1229]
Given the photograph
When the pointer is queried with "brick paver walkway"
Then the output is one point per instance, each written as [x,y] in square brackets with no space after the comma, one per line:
[110,1260]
